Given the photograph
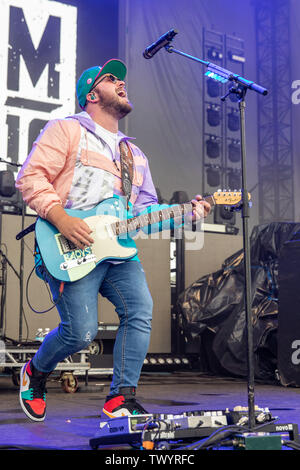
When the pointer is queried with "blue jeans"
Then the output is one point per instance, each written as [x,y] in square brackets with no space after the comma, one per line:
[125,286]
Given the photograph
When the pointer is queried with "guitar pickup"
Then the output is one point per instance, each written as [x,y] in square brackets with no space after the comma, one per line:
[64,244]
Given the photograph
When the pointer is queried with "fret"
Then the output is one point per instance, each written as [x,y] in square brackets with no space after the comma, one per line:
[135,223]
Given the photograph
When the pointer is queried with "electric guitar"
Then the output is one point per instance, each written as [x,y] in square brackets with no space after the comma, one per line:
[111,230]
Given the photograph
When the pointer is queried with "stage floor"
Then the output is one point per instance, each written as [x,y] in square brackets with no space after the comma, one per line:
[73,418]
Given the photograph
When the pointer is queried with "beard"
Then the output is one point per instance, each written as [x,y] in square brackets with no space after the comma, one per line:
[115,105]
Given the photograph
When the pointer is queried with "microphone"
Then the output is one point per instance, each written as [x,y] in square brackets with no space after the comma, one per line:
[163,41]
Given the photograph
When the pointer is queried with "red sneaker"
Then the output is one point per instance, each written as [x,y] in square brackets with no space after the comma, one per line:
[33,392]
[123,404]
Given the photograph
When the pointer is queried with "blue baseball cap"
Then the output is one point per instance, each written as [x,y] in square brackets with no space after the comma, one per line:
[87,79]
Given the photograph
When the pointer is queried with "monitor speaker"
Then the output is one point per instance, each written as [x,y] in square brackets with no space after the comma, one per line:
[289,314]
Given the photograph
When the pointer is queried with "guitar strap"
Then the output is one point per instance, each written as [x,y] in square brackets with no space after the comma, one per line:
[126,161]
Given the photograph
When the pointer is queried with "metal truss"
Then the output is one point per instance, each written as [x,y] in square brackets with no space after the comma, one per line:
[275,143]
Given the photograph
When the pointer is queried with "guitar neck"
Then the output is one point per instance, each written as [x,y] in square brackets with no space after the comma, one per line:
[135,223]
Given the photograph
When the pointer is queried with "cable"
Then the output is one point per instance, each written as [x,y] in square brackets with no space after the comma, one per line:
[294,445]
[27,294]
[219,434]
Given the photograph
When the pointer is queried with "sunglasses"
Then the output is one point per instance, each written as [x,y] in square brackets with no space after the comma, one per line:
[110,77]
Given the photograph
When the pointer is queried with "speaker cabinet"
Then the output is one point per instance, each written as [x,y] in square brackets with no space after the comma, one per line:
[289,314]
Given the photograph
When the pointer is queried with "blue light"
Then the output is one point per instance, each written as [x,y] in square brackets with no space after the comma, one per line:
[216,77]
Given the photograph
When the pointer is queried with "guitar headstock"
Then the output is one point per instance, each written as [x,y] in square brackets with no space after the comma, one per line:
[229,198]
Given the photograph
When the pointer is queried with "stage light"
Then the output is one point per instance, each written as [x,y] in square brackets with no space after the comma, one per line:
[233,121]
[213,115]
[177,360]
[214,54]
[169,360]
[213,175]
[234,178]
[213,147]
[234,151]
[213,88]
[236,57]
[153,360]
[161,360]
[216,76]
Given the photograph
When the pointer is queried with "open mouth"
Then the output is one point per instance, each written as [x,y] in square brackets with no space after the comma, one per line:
[121,93]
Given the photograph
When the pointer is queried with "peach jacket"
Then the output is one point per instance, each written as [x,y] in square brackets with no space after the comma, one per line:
[47,176]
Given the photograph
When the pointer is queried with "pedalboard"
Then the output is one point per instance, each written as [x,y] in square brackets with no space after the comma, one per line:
[179,429]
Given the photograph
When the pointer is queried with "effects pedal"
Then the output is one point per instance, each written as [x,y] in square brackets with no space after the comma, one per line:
[184,427]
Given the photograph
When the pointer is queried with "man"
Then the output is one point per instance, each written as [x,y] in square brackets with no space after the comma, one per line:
[75,163]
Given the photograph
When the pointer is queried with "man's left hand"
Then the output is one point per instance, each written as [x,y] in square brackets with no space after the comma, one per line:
[201,208]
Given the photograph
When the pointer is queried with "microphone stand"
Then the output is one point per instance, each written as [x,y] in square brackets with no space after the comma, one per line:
[240,87]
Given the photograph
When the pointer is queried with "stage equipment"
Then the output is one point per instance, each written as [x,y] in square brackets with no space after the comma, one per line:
[213,89]
[213,173]
[224,216]
[240,87]
[183,431]
[234,151]
[289,314]
[213,147]
[276,157]
[163,41]
[213,115]
[234,178]
[10,198]
[15,355]
[233,121]
[214,54]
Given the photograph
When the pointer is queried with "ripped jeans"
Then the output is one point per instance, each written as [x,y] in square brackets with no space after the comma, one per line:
[125,286]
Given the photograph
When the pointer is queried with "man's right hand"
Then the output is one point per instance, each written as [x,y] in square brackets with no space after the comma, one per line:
[73,228]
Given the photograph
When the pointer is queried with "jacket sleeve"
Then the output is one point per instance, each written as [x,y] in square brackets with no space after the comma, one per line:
[44,163]
[147,194]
